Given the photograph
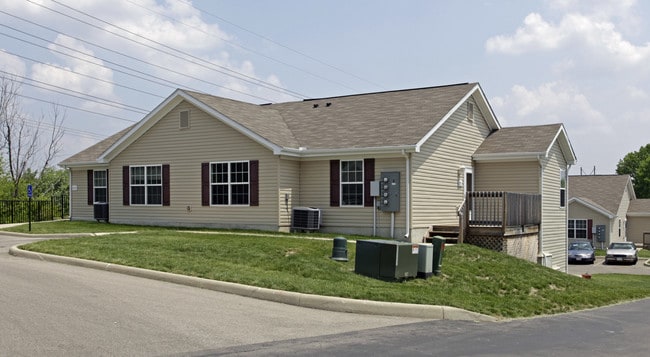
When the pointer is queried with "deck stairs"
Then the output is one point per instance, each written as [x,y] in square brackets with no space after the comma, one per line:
[449,233]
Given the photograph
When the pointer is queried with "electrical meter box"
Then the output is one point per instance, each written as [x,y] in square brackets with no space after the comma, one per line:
[600,233]
[389,192]
[386,259]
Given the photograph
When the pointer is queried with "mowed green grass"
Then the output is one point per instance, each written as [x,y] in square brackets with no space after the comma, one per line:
[472,278]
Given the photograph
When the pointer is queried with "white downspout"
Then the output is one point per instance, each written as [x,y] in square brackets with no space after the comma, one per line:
[407,188]
[540,239]
[69,194]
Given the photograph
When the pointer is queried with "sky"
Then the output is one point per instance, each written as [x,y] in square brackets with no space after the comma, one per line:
[107,64]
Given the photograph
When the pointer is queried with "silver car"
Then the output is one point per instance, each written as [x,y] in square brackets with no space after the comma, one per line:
[581,251]
[621,252]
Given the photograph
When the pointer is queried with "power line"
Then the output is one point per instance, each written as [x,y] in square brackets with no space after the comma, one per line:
[84,95]
[76,108]
[174,84]
[234,44]
[223,70]
[284,46]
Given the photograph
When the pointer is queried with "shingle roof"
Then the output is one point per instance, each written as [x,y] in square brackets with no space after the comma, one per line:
[521,139]
[383,119]
[639,206]
[605,190]
[91,154]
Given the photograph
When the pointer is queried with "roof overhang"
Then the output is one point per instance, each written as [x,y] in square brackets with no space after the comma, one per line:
[319,153]
[88,164]
[592,206]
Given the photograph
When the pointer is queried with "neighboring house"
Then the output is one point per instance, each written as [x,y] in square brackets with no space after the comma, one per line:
[638,222]
[202,160]
[598,207]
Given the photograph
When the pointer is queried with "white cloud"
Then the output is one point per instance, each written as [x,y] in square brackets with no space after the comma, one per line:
[575,32]
[12,64]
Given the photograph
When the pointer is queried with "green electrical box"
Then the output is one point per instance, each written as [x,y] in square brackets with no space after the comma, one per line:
[386,259]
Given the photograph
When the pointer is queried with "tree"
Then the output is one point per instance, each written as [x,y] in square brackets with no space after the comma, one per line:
[637,165]
[27,146]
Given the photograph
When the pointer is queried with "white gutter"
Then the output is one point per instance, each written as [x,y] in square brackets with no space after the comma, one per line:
[306,152]
[407,188]
[540,238]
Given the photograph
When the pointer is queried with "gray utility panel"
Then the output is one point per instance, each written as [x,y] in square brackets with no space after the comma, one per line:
[389,191]
[386,259]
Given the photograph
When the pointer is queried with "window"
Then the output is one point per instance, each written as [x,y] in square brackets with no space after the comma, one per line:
[470,111]
[229,183]
[100,186]
[146,185]
[184,120]
[352,183]
[578,228]
[562,188]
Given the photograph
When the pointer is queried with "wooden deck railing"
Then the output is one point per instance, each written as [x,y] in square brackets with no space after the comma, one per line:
[502,209]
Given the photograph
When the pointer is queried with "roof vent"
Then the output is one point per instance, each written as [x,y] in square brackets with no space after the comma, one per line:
[328,104]
[315,105]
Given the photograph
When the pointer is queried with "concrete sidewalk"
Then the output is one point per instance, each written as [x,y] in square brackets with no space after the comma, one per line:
[329,303]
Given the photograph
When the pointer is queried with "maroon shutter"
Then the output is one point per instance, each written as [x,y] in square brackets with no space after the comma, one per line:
[335,183]
[165,185]
[254,169]
[590,226]
[91,190]
[126,200]
[205,184]
[368,176]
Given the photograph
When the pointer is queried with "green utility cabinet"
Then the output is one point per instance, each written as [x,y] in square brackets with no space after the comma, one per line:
[386,259]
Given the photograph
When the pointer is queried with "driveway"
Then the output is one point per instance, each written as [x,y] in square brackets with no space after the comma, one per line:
[600,268]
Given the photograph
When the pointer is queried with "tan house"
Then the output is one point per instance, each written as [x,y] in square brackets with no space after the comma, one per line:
[598,207]
[390,163]
[638,222]
[604,209]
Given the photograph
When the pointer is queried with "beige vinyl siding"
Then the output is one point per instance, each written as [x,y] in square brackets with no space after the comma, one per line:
[207,140]
[315,192]
[289,191]
[618,232]
[554,217]
[637,227]
[520,176]
[81,210]
[579,211]
[437,168]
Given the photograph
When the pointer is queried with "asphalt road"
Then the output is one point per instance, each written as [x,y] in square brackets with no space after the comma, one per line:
[49,309]
[61,310]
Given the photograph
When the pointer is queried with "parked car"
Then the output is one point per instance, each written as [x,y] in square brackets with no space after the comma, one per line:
[581,251]
[621,252]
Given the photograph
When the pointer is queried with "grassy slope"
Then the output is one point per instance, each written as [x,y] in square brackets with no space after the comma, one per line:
[472,278]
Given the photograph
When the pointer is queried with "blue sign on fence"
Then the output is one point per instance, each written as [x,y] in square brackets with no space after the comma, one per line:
[29,191]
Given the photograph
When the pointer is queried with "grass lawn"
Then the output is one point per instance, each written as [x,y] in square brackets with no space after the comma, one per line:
[472,278]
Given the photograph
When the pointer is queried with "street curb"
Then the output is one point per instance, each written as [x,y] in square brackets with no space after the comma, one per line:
[328,303]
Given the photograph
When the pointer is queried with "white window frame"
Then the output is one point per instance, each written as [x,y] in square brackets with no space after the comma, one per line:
[145,185]
[575,228]
[97,186]
[230,183]
[347,182]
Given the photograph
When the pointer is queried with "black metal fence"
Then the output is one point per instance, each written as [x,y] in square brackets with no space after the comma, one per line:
[18,211]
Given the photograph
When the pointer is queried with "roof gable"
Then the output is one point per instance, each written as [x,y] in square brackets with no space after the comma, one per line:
[605,190]
[525,143]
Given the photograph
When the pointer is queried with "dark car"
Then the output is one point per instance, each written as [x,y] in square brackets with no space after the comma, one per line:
[621,252]
[581,251]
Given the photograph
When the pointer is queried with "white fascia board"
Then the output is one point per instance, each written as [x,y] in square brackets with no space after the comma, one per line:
[592,207]
[315,153]
[492,122]
[85,164]
[565,145]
